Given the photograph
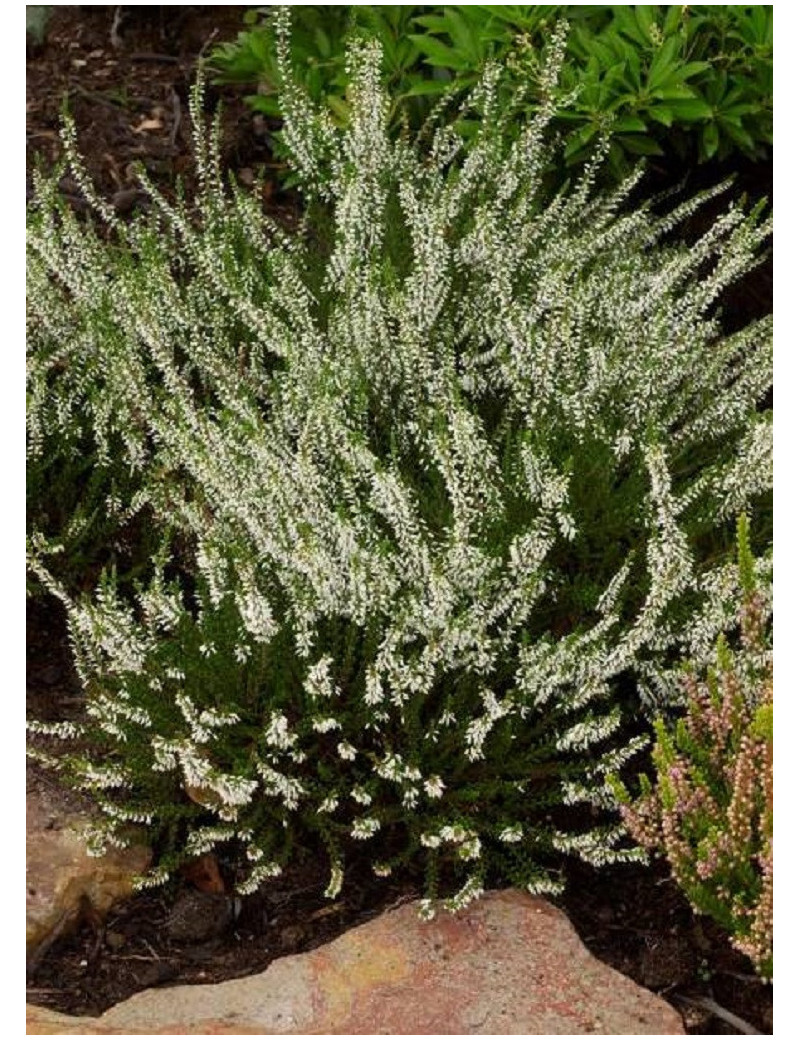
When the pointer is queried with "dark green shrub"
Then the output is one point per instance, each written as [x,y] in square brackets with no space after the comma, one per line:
[692,82]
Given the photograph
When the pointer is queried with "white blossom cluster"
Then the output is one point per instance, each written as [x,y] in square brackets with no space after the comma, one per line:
[395,445]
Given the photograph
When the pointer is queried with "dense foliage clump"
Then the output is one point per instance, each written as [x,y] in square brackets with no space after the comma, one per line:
[685,82]
[710,809]
[431,479]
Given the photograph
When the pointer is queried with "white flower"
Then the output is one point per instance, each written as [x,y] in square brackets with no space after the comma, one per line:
[374,690]
[325,725]
[471,849]
[365,828]
[426,909]
[434,787]
[468,893]
[256,615]
[361,795]
[335,884]
[277,732]
[346,750]
[455,834]
[319,682]
[242,652]
[260,873]
[410,797]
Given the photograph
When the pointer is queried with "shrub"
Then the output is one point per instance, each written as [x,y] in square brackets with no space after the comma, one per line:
[710,811]
[432,475]
[36,19]
[687,82]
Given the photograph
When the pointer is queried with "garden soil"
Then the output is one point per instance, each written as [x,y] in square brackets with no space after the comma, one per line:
[130,104]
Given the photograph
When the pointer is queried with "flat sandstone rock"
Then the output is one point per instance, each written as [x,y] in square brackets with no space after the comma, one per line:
[508,964]
[60,875]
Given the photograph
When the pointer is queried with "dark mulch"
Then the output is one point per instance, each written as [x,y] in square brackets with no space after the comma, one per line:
[131,106]
[130,103]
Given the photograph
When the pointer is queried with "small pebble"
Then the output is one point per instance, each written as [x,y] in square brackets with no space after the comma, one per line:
[199,916]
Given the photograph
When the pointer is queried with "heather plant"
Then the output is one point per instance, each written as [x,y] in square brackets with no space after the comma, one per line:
[709,811]
[431,475]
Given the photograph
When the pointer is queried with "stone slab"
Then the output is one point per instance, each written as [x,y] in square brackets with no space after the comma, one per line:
[60,875]
[508,964]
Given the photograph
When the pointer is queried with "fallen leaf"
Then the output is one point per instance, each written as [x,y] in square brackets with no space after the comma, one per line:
[148,124]
[326,911]
[203,796]
[204,874]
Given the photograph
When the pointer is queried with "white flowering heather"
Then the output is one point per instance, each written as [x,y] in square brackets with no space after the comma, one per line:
[432,473]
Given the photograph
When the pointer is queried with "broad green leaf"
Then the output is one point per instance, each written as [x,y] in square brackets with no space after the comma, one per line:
[691,110]
[630,124]
[758,18]
[710,140]
[673,20]
[616,156]
[737,111]
[664,63]
[625,19]
[674,93]
[339,107]
[662,114]
[635,66]
[259,47]
[439,54]
[427,86]
[740,136]
[601,52]
[578,140]
[571,116]
[646,15]
[435,22]
[264,103]
[690,68]
[640,145]
[463,38]
[715,89]
[323,42]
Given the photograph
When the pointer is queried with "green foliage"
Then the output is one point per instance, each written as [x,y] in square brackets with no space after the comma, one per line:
[36,19]
[76,521]
[658,80]
[418,474]
[710,811]
[696,79]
